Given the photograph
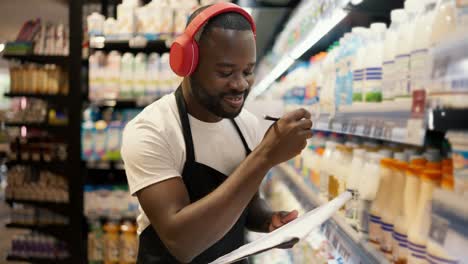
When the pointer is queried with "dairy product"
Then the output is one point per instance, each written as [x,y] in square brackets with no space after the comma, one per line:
[419,57]
[393,207]
[419,227]
[398,17]
[126,75]
[410,197]
[402,56]
[324,169]
[352,184]
[139,75]
[360,36]
[373,58]
[95,23]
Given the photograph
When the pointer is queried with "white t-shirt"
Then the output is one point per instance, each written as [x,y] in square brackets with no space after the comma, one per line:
[153,146]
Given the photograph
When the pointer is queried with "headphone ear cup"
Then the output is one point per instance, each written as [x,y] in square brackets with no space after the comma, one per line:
[181,55]
[194,60]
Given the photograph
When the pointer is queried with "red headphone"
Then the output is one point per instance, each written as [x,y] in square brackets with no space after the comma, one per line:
[184,50]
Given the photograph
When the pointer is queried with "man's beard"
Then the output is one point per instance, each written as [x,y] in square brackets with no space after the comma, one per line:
[213,103]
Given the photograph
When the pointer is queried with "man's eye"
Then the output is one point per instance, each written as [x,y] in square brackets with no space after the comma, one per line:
[248,73]
[224,74]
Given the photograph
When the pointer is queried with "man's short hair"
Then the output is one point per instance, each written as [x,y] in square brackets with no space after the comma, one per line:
[228,20]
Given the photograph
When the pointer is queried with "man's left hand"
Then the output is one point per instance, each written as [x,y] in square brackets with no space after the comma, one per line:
[281,218]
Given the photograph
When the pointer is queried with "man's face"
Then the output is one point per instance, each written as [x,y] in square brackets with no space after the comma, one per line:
[224,74]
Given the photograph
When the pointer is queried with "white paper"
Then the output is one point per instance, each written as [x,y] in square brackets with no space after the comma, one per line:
[298,228]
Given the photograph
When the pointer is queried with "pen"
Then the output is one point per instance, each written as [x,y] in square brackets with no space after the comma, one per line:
[267,117]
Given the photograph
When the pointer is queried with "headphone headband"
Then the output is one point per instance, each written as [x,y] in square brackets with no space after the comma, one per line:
[215,10]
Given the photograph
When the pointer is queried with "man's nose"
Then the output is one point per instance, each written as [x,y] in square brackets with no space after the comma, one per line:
[239,83]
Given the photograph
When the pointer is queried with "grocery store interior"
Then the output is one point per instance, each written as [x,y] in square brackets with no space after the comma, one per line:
[386,83]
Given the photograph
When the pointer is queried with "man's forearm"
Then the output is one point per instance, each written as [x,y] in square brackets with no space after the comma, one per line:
[259,215]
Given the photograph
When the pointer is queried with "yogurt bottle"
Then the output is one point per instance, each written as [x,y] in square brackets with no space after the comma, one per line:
[352,185]
[324,168]
[410,197]
[390,212]
[418,230]
[373,64]
[398,17]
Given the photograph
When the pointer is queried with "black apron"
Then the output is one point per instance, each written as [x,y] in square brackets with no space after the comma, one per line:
[199,180]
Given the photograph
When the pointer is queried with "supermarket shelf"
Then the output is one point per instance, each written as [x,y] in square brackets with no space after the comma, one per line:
[59,98]
[36,260]
[139,102]
[55,230]
[54,206]
[389,121]
[347,241]
[52,165]
[105,165]
[44,126]
[38,58]
[105,172]
[101,43]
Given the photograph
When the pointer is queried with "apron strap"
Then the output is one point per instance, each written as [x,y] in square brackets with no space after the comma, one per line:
[187,132]
[246,146]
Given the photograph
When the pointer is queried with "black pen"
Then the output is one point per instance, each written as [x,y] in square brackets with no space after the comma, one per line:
[267,117]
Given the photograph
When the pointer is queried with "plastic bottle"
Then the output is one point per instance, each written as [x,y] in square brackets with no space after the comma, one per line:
[95,243]
[383,189]
[418,228]
[373,64]
[95,23]
[398,17]
[111,243]
[326,163]
[126,76]
[112,83]
[352,184]
[139,75]
[410,198]
[360,41]
[419,57]
[403,49]
[368,186]
[391,211]
[333,172]
[128,243]
[152,77]
[342,166]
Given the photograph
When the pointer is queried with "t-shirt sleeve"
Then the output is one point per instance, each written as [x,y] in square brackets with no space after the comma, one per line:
[147,156]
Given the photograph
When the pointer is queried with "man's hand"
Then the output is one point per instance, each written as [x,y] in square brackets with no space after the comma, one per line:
[279,219]
[287,137]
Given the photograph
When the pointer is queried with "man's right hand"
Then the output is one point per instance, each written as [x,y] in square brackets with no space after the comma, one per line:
[287,137]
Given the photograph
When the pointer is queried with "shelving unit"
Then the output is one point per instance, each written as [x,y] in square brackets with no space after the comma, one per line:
[38,260]
[346,240]
[50,59]
[72,234]
[101,43]
[58,231]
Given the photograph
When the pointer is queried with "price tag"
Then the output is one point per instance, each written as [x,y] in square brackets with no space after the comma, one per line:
[378,130]
[336,127]
[344,127]
[352,127]
[367,129]
[387,131]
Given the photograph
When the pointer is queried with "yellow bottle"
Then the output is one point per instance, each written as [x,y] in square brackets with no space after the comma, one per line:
[111,243]
[128,243]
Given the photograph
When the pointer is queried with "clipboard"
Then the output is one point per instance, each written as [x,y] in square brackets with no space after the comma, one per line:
[290,233]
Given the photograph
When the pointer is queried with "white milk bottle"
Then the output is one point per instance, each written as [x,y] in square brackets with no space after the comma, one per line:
[357,76]
[418,230]
[352,184]
[368,185]
[326,163]
[139,74]
[364,35]
[383,189]
[152,76]
[403,49]
[112,86]
[410,198]
[392,203]
[126,75]
[419,57]
[373,64]
[398,17]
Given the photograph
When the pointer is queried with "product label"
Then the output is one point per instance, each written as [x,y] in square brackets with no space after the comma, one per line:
[399,247]
[373,84]
[387,80]
[100,144]
[358,78]
[419,69]
[112,249]
[416,253]
[375,231]
[386,239]
[401,75]
[364,217]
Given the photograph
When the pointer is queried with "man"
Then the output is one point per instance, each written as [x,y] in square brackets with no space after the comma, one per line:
[195,158]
